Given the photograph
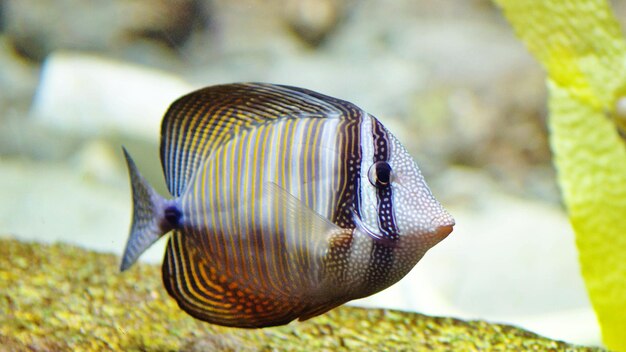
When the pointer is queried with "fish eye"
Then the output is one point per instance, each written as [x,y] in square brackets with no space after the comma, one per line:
[379,174]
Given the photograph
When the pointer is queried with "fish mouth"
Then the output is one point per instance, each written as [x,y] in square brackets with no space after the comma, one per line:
[443,226]
[442,232]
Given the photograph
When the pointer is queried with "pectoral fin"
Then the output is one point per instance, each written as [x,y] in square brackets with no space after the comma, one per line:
[306,232]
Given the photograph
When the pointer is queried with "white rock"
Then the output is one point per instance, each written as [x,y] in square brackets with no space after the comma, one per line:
[94,95]
[55,203]
[98,160]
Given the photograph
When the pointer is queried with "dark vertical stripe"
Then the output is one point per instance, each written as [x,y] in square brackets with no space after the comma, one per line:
[384,195]
[350,166]
[382,255]
[349,178]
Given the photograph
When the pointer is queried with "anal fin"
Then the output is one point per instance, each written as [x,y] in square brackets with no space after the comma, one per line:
[206,294]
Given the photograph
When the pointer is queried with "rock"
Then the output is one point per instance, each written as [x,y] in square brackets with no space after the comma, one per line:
[38,27]
[314,20]
[64,298]
[50,202]
[18,78]
[92,95]
[97,161]
[450,79]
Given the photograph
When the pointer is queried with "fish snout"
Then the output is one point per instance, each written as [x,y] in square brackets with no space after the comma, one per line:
[442,232]
[442,227]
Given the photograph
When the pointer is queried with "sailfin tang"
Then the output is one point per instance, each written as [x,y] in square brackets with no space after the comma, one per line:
[198,122]
[149,216]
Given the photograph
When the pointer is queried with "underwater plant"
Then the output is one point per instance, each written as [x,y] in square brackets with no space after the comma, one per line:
[580,45]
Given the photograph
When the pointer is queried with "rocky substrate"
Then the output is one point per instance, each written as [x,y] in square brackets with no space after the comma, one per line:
[61,297]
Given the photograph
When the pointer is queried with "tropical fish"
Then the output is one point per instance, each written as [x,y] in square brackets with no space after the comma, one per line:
[286,203]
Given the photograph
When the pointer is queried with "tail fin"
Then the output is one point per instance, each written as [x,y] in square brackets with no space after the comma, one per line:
[149,216]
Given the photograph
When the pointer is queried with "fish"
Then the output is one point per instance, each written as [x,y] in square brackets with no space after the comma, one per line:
[285,203]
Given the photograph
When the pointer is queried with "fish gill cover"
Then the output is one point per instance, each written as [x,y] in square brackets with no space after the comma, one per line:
[581,46]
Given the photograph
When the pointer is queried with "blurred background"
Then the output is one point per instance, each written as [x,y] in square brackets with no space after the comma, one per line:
[80,78]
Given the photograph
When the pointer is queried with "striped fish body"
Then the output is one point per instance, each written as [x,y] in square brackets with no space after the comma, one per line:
[287,203]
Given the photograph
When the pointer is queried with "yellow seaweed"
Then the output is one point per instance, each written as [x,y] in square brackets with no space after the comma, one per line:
[581,46]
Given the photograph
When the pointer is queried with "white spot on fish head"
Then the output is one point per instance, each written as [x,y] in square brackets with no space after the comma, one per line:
[417,213]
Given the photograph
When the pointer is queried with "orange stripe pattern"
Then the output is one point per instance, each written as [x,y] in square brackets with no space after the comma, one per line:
[235,155]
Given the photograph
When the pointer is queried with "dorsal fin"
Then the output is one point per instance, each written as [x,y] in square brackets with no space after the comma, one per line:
[198,122]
